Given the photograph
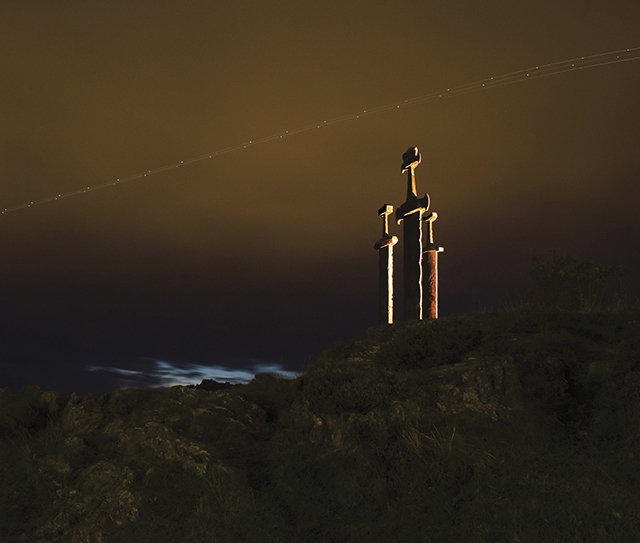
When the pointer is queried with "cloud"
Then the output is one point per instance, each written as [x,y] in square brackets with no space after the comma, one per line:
[165,374]
[119,371]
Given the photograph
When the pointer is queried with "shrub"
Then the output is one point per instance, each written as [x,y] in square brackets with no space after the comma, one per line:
[563,283]
[27,411]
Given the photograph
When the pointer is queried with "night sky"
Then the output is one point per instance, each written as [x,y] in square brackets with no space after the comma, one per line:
[257,259]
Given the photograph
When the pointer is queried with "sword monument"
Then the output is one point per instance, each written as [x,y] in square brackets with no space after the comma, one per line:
[412,214]
[385,268]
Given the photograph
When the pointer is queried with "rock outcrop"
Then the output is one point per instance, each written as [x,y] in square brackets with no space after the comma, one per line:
[95,451]
[478,427]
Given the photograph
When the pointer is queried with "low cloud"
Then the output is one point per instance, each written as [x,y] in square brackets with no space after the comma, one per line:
[163,374]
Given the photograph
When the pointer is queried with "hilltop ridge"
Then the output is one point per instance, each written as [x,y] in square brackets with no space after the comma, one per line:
[517,425]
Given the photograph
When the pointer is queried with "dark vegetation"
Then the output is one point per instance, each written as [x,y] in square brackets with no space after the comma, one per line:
[520,426]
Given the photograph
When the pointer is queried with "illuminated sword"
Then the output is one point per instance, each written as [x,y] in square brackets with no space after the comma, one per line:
[430,268]
[384,246]
[410,213]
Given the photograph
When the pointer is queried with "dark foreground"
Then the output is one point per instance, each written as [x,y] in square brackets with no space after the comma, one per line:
[489,427]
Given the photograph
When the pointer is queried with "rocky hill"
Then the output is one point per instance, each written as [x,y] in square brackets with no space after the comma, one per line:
[487,427]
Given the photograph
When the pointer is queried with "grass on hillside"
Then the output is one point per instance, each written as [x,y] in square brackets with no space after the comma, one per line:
[356,450]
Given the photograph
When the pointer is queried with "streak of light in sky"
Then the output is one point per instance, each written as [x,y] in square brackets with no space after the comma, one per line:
[535,72]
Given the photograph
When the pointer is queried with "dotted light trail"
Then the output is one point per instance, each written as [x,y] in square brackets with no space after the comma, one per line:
[536,72]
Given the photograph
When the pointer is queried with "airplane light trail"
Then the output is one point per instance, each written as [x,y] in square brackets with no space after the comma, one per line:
[536,72]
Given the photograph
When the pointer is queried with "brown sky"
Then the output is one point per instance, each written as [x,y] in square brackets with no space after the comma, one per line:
[266,254]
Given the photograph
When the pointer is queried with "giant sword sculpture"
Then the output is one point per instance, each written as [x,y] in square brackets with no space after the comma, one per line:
[411,214]
[384,246]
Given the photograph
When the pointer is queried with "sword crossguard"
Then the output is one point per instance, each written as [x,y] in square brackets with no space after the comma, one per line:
[386,240]
[431,217]
[412,206]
